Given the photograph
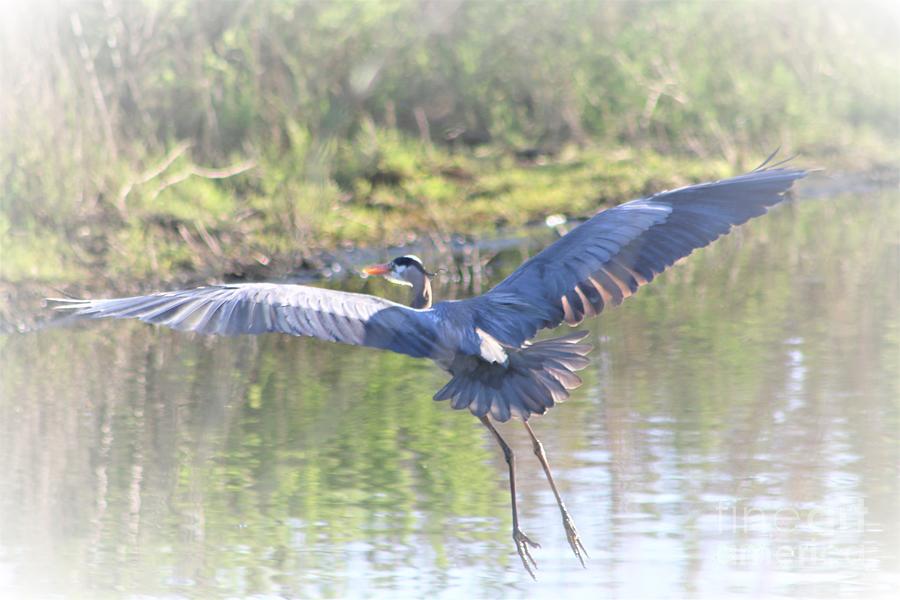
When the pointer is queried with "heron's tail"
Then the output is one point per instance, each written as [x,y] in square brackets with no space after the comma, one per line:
[535,378]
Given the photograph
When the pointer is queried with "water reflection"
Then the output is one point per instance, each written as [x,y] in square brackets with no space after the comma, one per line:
[738,432]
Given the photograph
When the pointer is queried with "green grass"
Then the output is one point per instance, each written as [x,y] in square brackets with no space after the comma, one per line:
[200,228]
[269,220]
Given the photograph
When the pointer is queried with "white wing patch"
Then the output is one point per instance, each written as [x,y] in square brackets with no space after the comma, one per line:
[491,350]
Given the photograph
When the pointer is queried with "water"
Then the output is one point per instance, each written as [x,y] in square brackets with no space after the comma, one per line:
[737,434]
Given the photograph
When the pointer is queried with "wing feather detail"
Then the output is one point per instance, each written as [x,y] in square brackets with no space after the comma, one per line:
[609,257]
[256,308]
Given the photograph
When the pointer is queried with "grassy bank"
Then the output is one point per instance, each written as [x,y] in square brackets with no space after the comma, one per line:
[177,223]
[387,191]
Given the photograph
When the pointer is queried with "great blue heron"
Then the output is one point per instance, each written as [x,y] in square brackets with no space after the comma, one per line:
[483,342]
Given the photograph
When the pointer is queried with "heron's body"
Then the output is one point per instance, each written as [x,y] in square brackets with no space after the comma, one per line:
[484,341]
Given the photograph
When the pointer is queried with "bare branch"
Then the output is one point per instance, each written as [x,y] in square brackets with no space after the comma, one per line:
[205,172]
[149,174]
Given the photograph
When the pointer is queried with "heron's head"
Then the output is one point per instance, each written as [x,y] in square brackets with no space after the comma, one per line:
[403,270]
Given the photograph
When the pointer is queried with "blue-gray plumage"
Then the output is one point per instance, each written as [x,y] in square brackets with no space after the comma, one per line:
[483,342]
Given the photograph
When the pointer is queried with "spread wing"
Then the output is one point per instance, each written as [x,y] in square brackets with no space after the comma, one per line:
[256,308]
[607,258]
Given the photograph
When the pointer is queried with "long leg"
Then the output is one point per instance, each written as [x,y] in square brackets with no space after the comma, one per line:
[522,541]
[571,534]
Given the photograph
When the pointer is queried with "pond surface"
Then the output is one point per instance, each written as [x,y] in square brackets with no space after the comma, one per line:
[737,435]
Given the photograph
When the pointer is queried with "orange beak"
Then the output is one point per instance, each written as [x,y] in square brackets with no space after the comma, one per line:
[377,269]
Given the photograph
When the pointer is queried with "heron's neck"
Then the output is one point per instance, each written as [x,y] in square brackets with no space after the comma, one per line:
[421,293]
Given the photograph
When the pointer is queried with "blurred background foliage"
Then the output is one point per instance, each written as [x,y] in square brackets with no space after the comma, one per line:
[187,139]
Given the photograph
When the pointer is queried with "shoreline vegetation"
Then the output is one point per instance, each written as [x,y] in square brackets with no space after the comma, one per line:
[456,237]
[147,145]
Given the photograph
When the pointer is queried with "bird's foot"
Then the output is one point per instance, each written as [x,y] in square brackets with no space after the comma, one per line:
[574,540]
[522,543]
